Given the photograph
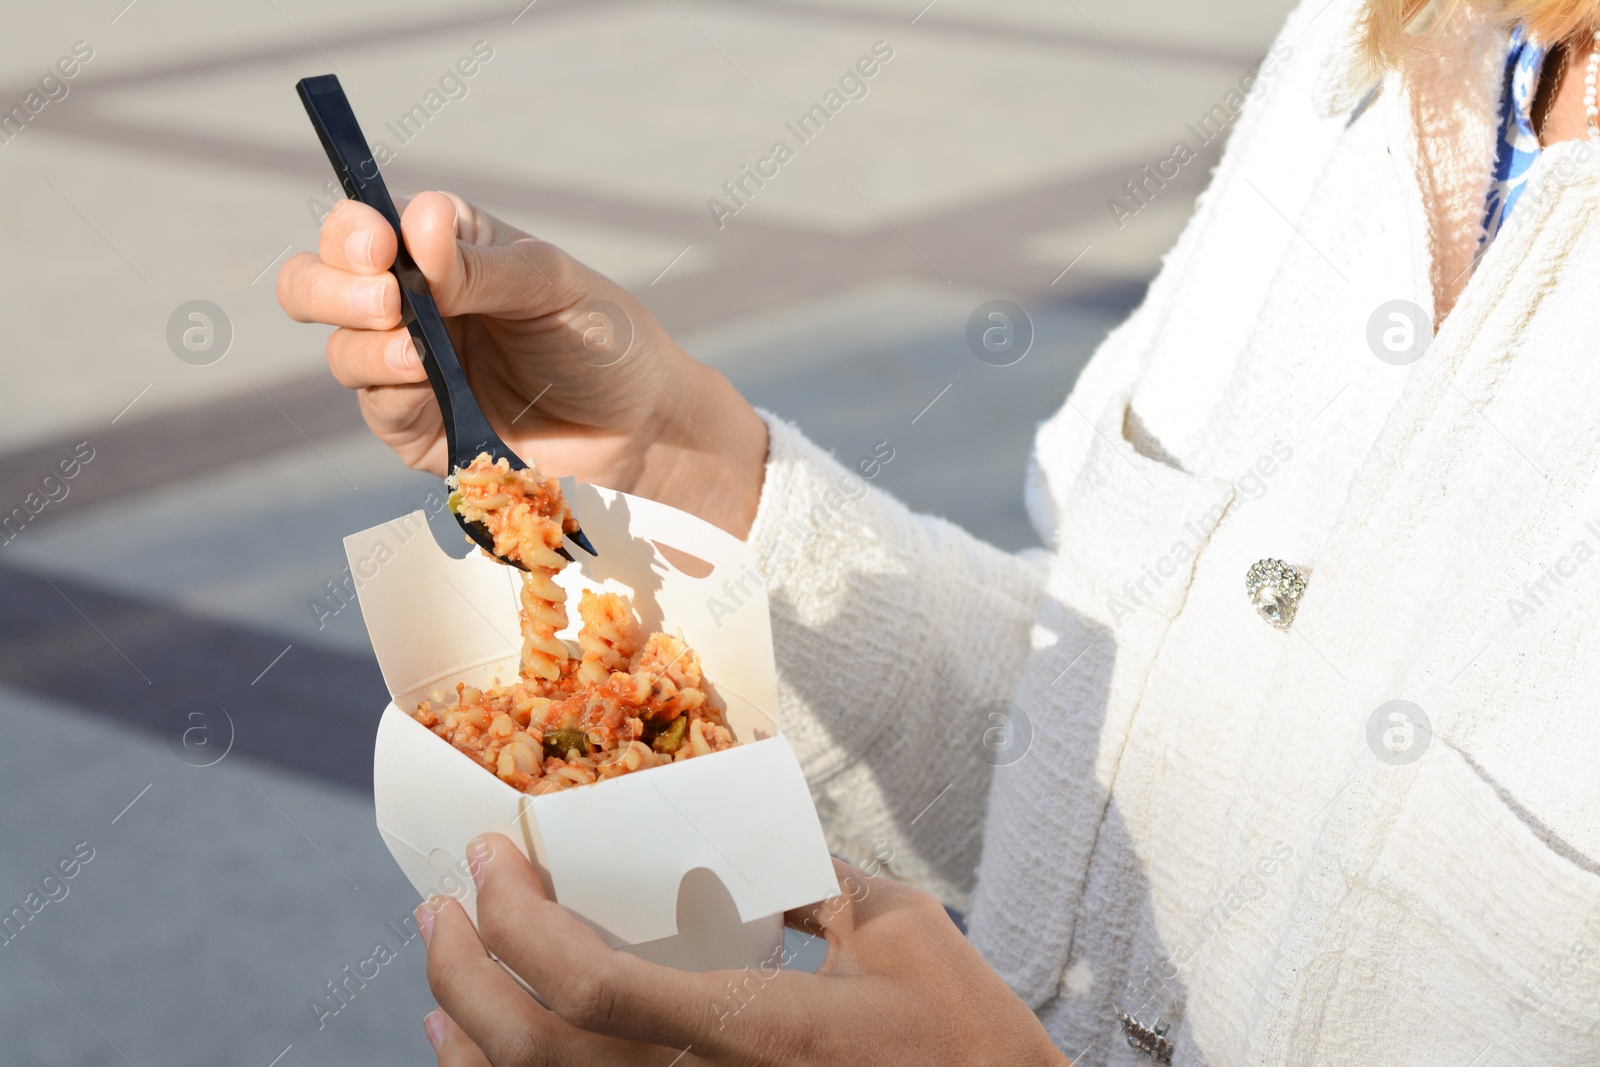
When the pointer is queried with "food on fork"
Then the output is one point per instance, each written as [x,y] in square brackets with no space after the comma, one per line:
[527,518]
[619,705]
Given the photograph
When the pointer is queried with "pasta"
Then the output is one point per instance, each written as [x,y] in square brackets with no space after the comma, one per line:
[619,705]
[524,513]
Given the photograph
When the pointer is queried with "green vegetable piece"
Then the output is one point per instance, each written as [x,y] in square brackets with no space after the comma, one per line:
[670,740]
[559,742]
[454,502]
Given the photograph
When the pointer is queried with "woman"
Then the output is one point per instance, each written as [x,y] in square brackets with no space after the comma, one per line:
[1342,810]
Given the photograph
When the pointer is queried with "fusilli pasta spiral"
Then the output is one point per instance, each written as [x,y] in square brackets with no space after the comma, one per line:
[617,707]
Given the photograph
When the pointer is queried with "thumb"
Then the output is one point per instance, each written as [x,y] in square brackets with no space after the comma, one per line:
[836,917]
[525,278]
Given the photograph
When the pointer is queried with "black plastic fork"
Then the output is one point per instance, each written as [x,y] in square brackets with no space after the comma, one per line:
[466,429]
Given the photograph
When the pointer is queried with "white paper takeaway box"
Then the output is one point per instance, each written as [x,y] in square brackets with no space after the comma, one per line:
[691,864]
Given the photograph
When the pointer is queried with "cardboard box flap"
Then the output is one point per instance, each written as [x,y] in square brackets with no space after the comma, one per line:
[429,615]
[751,823]
[616,853]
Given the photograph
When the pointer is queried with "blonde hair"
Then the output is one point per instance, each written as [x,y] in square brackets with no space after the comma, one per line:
[1395,31]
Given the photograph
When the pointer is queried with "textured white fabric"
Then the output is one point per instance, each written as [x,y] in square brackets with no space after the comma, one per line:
[1200,830]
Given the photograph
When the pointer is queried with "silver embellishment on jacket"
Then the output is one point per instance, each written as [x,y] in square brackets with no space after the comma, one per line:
[1146,1040]
[1275,588]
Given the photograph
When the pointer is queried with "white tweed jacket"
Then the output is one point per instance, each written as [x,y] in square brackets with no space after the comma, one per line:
[1195,818]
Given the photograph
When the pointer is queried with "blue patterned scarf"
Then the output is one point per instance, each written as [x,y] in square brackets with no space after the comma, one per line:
[1518,146]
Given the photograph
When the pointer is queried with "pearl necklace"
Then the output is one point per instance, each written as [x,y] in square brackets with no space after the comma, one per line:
[1591,105]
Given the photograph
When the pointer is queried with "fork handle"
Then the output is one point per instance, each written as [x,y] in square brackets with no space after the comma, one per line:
[467,430]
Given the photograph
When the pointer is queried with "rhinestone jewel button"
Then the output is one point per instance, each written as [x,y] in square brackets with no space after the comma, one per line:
[1149,1041]
[1275,588]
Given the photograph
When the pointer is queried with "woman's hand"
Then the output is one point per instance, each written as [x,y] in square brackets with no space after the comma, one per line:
[572,372]
[900,985]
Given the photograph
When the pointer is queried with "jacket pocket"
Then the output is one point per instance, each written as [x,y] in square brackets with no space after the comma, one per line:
[1471,935]
[1129,529]
[1134,521]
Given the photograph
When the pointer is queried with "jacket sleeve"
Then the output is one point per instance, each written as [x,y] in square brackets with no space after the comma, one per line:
[892,631]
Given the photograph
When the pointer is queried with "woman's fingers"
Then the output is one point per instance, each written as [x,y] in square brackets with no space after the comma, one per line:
[497,1016]
[355,238]
[451,1044]
[523,279]
[475,991]
[406,418]
[835,917]
[363,358]
[581,978]
[867,920]
[487,1003]
[347,281]
[474,225]
[313,291]
[474,264]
